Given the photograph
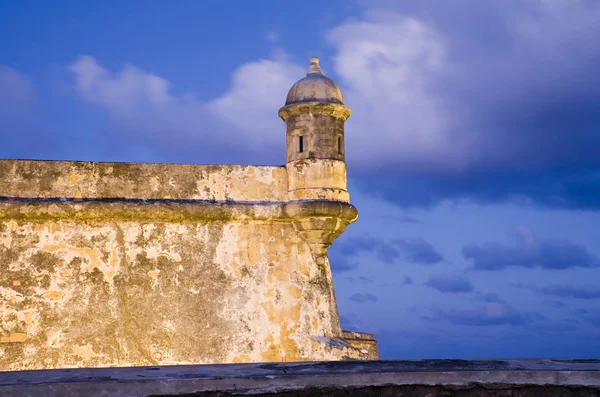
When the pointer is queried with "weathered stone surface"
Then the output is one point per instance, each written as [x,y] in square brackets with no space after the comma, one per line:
[317,179]
[79,179]
[363,341]
[108,291]
[315,87]
[427,378]
[116,264]
[91,280]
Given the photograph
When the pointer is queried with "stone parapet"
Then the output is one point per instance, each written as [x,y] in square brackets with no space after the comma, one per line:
[172,210]
[84,179]
[364,342]
[456,378]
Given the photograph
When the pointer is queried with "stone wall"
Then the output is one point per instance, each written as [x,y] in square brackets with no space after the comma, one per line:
[75,179]
[426,378]
[107,264]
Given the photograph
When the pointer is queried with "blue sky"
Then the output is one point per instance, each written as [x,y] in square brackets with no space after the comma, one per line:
[473,148]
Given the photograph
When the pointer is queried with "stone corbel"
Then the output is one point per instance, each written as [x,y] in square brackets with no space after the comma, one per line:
[319,223]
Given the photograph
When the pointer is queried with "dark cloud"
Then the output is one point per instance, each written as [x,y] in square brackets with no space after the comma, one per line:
[492,314]
[572,292]
[590,316]
[528,251]
[342,263]
[343,254]
[449,283]
[489,297]
[419,251]
[365,280]
[362,298]
[564,189]
[492,109]
[524,93]
[555,303]
[559,327]
[408,280]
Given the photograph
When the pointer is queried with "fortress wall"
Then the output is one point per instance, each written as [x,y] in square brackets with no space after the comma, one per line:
[94,283]
[118,293]
[73,179]
[115,291]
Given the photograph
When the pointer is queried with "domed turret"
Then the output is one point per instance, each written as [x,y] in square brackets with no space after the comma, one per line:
[314,88]
[314,114]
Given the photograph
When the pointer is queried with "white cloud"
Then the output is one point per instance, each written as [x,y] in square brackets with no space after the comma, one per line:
[18,105]
[420,99]
[258,91]
[273,37]
[387,64]
[143,104]
[16,89]
[139,101]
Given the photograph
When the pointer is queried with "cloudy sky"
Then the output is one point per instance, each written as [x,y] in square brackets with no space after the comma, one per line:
[473,149]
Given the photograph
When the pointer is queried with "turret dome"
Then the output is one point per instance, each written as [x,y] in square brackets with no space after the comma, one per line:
[314,88]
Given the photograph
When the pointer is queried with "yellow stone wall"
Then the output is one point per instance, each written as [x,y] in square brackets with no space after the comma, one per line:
[110,264]
[73,179]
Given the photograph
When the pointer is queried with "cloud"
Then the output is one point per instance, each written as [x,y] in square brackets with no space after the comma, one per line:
[16,89]
[413,250]
[141,104]
[362,298]
[489,297]
[560,327]
[341,263]
[487,315]
[417,250]
[530,252]
[258,91]
[407,280]
[449,283]
[590,316]
[144,105]
[509,115]
[555,303]
[441,111]
[273,37]
[23,133]
[572,292]
[385,62]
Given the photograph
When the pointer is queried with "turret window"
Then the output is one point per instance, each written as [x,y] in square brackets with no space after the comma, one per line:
[340,145]
[300,144]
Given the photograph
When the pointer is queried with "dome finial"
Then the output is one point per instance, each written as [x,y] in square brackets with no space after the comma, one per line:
[314,67]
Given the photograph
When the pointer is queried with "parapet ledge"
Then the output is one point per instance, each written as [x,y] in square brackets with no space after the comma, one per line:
[169,210]
[311,107]
[152,181]
[359,336]
[352,378]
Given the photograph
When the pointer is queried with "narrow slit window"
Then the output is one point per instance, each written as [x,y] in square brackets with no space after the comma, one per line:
[300,144]
[339,144]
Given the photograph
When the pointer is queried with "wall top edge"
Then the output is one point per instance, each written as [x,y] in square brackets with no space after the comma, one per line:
[24,209]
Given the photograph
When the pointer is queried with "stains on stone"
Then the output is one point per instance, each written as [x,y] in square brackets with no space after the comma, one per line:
[44,261]
[82,180]
[144,269]
[7,257]
[319,133]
